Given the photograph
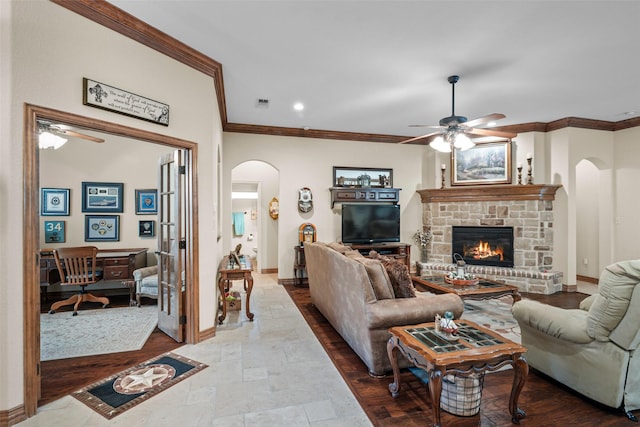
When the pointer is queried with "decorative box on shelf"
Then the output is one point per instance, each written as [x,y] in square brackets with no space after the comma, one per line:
[364,195]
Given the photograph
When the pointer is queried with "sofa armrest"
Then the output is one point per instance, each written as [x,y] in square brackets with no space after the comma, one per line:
[564,324]
[411,311]
[143,272]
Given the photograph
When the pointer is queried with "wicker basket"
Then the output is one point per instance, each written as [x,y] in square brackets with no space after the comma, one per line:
[461,395]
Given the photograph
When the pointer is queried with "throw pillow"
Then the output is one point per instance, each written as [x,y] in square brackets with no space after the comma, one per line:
[378,277]
[398,275]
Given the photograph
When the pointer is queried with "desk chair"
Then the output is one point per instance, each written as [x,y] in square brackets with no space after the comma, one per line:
[77,267]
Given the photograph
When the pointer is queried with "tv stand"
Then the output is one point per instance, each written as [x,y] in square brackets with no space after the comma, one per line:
[399,251]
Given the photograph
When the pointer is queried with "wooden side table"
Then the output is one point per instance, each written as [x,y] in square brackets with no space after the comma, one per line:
[299,266]
[478,350]
[228,272]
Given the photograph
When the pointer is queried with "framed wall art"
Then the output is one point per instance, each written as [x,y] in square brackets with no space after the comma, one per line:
[102,197]
[146,228]
[146,202]
[54,201]
[362,177]
[54,232]
[486,163]
[102,228]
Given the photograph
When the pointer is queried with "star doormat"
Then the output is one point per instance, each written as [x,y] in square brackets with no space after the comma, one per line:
[114,395]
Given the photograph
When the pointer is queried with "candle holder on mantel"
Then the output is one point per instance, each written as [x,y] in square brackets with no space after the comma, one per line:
[529,176]
[442,184]
[519,174]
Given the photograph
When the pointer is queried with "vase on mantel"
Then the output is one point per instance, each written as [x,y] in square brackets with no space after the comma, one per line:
[423,255]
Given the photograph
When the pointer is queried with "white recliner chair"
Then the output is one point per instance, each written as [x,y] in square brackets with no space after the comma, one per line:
[592,349]
[146,283]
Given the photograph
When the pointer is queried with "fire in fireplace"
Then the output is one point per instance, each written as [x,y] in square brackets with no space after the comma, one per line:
[483,245]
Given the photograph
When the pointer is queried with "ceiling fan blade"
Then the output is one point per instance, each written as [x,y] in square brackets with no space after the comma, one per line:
[491,132]
[484,120]
[78,135]
[417,138]
[427,126]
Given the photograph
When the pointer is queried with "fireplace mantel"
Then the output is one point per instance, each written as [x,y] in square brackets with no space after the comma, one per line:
[490,193]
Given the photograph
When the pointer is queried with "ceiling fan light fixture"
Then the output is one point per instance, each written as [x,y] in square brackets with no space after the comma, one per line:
[462,142]
[439,144]
[49,140]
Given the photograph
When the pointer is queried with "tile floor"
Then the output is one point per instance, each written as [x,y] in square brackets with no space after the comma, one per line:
[269,372]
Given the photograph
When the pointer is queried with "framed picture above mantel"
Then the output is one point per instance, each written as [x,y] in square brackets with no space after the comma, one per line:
[486,163]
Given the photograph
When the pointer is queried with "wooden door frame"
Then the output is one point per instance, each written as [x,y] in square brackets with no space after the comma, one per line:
[31,233]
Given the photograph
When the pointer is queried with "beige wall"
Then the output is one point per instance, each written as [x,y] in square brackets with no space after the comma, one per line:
[305,162]
[46,51]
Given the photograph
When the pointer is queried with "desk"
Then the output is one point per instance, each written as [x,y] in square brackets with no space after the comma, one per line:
[117,266]
[478,350]
[228,272]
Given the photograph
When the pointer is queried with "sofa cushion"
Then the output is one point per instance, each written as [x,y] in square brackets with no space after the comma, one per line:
[379,278]
[339,247]
[615,288]
[398,275]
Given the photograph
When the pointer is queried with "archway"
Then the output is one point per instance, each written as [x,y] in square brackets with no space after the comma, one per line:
[256,183]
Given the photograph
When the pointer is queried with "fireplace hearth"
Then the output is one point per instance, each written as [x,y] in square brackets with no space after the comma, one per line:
[490,246]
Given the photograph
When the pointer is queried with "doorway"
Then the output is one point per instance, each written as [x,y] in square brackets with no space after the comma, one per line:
[262,181]
[31,236]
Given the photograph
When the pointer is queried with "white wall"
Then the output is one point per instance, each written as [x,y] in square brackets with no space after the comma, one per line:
[46,51]
[305,162]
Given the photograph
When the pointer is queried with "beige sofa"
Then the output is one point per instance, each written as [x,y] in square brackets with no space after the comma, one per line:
[355,295]
[591,349]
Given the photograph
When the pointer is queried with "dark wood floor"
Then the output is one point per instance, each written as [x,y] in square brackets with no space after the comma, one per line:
[62,377]
[546,402]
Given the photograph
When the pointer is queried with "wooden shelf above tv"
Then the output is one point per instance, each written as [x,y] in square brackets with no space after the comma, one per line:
[489,193]
[364,195]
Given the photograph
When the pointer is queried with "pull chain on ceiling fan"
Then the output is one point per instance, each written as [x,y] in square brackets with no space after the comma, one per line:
[455,131]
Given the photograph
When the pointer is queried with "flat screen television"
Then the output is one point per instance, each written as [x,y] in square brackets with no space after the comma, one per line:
[370,223]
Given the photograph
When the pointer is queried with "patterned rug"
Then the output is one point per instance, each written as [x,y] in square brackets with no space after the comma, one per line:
[494,314]
[116,394]
[91,332]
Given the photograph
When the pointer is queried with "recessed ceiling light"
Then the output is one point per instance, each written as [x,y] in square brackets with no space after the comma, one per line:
[298,106]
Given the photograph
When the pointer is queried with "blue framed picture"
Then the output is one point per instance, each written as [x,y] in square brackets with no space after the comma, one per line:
[146,202]
[102,228]
[102,197]
[54,202]
[54,232]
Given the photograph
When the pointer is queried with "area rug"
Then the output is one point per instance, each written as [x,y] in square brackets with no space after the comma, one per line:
[92,332]
[494,314]
[120,392]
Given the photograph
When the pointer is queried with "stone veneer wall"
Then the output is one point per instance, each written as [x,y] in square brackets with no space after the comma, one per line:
[532,221]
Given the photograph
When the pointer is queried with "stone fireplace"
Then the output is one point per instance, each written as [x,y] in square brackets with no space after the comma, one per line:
[525,209]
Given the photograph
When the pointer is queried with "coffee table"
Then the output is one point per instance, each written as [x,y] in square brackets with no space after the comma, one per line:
[478,350]
[485,289]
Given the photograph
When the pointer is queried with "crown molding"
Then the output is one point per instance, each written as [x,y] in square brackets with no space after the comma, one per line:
[128,25]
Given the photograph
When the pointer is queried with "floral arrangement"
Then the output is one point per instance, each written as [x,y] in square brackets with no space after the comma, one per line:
[422,238]
[466,276]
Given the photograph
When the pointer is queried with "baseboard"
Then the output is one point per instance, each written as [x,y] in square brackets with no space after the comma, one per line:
[587,279]
[13,416]
[206,334]
[268,271]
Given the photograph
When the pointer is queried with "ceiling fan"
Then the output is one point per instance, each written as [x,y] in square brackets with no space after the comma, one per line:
[456,131]
[53,135]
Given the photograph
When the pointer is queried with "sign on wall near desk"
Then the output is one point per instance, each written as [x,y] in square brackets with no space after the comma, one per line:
[100,95]
[102,197]
[54,232]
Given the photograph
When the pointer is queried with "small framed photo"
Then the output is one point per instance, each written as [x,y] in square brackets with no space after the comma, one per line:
[146,202]
[102,228]
[486,163]
[146,228]
[54,201]
[54,232]
[102,197]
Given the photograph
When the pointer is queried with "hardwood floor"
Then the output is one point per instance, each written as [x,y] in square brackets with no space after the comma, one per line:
[545,401]
[62,377]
